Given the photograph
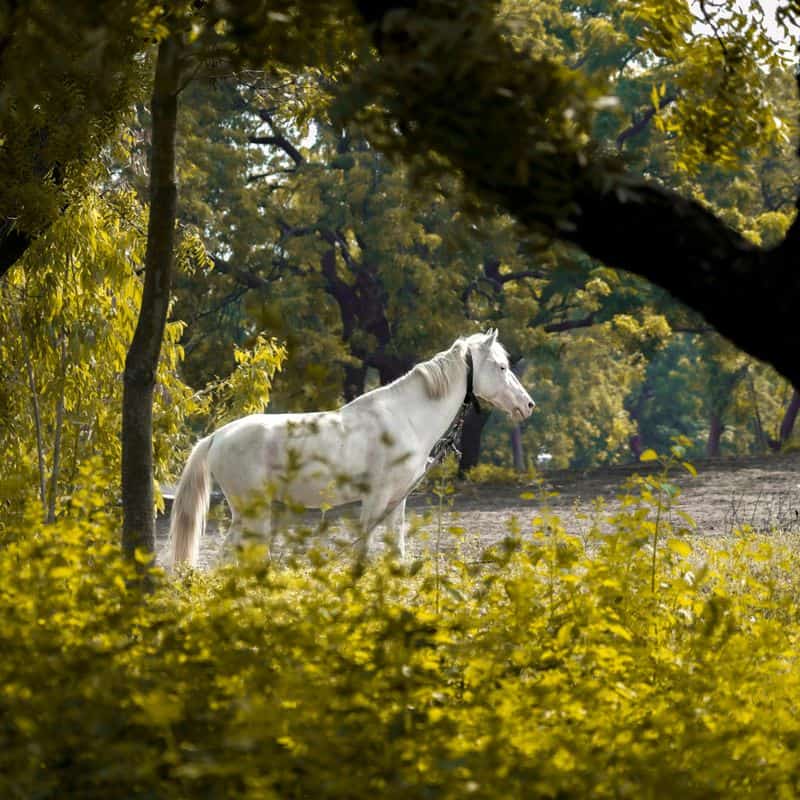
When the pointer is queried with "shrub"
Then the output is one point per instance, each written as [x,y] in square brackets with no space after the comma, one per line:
[558,667]
[494,473]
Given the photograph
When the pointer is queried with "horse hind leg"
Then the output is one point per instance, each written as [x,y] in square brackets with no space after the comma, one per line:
[257,528]
[233,538]
[247,529]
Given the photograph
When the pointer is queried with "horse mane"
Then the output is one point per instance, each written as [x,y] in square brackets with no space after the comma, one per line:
[439,372]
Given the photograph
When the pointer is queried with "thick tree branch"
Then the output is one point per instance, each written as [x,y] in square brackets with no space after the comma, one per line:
[248,279]
[281,142]
[13,245]
[278,138]
[479,92]
[570,324]
[644,120]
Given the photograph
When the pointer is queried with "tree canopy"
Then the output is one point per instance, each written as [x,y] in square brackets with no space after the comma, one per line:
[365,182]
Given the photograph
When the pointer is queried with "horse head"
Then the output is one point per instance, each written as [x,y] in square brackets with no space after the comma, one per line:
[493,379]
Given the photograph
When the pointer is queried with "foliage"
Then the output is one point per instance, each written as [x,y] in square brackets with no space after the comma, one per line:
[558,667]
[69,73]
[394,247]
[493,473]
[580,386]
[247,389]
[68,313]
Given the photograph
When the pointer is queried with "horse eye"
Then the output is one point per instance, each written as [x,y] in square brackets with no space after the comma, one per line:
[502,367]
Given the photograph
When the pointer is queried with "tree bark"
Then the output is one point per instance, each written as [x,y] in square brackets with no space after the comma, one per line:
[516,449]
[57,436]
[635,411]
[787,423]
[715,428]
[749,294]
[471,433]
[517,454]
[138,505]
[354,381]
[789,417]
[13,244]
[37,425]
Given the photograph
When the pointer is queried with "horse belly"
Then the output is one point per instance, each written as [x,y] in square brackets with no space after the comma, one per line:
[328,468]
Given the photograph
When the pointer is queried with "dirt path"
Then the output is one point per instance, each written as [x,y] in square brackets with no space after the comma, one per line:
[763,493]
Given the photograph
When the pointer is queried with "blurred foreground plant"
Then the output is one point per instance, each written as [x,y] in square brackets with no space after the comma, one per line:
[553,668]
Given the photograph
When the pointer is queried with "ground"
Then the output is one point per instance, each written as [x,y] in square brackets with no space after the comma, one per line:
[762,493]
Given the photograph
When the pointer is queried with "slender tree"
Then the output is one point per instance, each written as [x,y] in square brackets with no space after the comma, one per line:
[140,366]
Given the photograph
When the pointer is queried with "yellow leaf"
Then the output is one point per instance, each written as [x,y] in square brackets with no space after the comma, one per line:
[649,455]
[680,547]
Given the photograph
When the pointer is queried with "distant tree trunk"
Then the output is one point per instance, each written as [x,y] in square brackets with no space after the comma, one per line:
[354,381]
[56,468]
[715,429]
[13,244]
[390,369]
[474,424]
[37,425]
[517,454]
[787,423]
[761,436]
[789,417]
[516,449]
[138,507]
[635,411]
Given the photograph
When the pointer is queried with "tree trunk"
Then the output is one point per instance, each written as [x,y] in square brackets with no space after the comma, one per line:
[390,369]
[354,381]
[474,424]
[517,454]
[787,423]
[138,506]
[56,468]
[715,429]
[516,449]
[789,417]
[761,436]
[635,411]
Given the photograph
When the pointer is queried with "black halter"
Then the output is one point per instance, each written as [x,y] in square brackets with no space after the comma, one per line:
[452,436]
[469,398]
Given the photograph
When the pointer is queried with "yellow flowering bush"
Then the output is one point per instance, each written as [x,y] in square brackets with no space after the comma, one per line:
[624,663]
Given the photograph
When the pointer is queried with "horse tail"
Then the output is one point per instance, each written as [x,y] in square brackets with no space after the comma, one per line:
[187,521]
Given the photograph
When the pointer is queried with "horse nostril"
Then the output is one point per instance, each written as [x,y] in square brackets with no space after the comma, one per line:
[531,404]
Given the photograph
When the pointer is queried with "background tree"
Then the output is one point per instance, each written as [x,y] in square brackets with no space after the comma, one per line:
[69,309]
[451,62]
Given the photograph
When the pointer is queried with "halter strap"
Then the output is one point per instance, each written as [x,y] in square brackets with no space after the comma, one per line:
[469,398]
[452,437]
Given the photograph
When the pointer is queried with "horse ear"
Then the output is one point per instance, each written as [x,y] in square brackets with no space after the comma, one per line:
[491,337]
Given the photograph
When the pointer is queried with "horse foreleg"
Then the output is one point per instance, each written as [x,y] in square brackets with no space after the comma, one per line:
[396,528]
[373,508]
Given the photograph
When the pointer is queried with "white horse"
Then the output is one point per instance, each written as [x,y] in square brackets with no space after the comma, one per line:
[374,449]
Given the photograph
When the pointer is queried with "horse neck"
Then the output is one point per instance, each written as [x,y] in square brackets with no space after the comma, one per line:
[429,416]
